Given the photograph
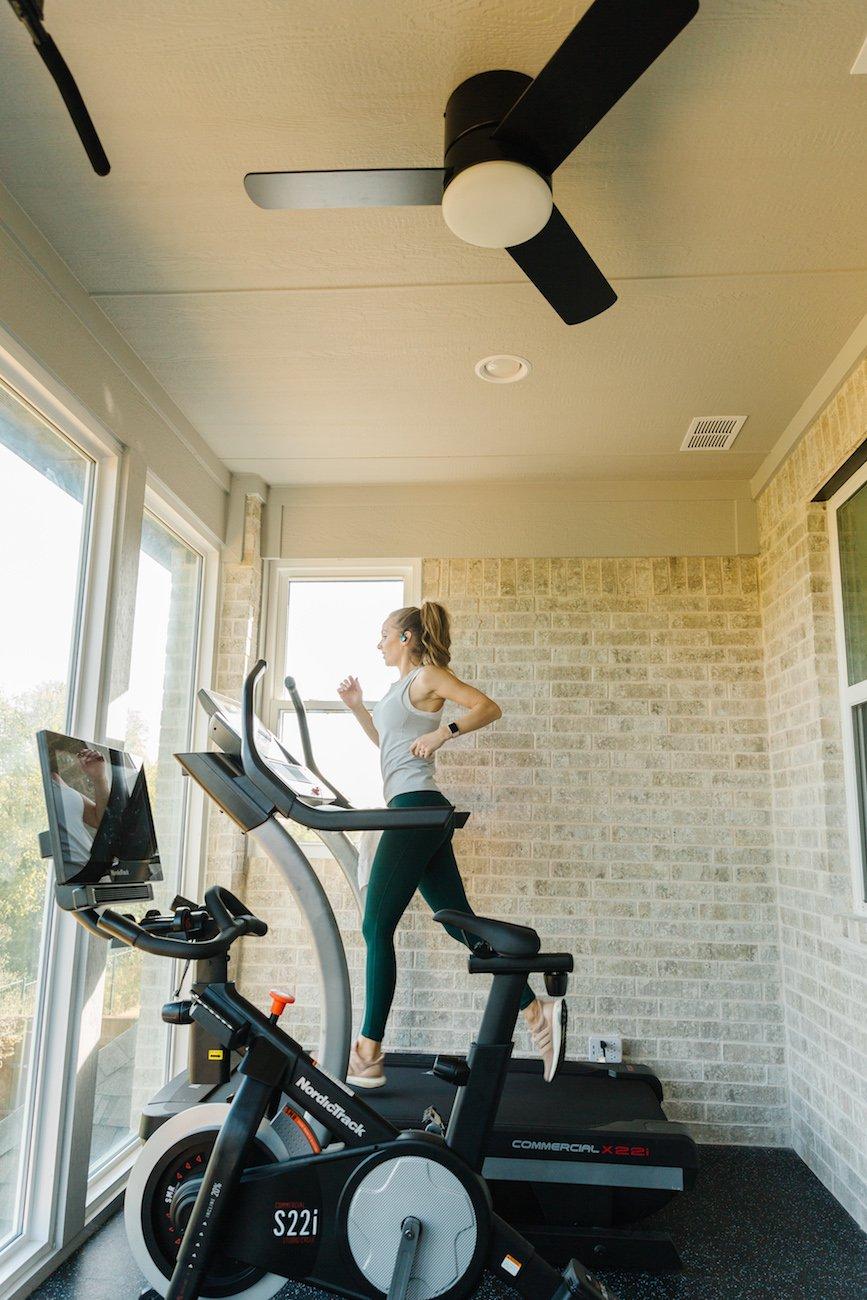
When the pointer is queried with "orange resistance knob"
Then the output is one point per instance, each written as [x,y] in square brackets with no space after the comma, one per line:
[279,1002]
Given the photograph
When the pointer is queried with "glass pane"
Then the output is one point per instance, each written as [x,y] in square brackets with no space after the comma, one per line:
[859,730]
[154,719]
[343,754]
[333,631]
[852,532]
[44,495]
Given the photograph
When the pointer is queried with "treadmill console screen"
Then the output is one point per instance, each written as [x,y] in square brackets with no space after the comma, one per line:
[299,779]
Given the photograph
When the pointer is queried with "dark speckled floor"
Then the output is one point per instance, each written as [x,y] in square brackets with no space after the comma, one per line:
[758,1226]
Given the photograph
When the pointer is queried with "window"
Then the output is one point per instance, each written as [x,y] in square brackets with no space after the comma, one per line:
[154,719]
[65,1071]
[325,625]
[46,487]
[848,527]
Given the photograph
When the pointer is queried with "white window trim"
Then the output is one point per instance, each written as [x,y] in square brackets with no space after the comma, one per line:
[46,1209]
[169,511]
[849,695]
[278,575]
[166,508]
[106,1179]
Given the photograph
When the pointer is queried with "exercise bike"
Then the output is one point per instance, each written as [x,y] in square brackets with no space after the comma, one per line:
[218,1205]
[376,1212]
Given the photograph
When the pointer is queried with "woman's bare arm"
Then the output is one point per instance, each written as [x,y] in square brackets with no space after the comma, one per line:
[433,686]
[349,691]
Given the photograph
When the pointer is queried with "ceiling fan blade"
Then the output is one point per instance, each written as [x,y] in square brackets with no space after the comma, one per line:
[564,272]
[371,187]
[604,54]
[31,14]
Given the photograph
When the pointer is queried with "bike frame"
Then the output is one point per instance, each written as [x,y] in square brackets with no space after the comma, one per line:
[315,1184]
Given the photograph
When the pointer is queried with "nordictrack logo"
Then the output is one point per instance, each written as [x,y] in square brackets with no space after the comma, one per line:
[333,1107]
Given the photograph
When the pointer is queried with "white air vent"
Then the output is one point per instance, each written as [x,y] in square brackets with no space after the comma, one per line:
[712,432]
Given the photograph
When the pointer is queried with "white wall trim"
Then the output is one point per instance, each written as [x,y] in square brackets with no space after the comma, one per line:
[564,517]
[812,406]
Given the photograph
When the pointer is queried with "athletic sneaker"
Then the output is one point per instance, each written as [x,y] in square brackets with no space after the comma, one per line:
[365,1074]
[547,1034]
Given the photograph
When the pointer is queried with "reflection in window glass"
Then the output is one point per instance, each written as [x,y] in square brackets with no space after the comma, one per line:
[45,487]
[155,719]
[852,532]
[859,730]
[333,630]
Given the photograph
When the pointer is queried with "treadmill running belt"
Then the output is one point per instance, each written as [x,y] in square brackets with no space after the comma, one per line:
[527,1100]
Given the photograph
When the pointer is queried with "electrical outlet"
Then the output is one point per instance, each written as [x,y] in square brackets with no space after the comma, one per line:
[605,1047]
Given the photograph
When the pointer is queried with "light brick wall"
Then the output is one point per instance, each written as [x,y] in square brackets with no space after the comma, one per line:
[622,806]
[822,941]
[237,649]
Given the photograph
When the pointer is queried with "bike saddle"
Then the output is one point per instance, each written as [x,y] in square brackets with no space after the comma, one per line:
[506,939]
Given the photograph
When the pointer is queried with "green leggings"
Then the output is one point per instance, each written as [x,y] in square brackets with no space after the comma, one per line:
[407,861]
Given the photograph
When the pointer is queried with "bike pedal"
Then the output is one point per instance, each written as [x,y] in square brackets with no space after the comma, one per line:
[581,1282]
[434,1122]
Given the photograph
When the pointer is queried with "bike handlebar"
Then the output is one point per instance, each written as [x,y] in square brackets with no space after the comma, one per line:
[229,913]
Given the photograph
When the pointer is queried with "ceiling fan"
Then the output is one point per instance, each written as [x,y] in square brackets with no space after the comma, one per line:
[32,13]
[505,134]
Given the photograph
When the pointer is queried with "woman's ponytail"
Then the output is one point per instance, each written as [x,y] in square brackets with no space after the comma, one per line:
[430,629]
[436,634]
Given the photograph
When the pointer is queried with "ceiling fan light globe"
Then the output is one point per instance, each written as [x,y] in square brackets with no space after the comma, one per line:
[497,204]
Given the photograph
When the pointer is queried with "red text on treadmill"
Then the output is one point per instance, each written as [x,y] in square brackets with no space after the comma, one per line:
[633,1153]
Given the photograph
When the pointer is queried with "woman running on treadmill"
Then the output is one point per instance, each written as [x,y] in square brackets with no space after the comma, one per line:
[407,727]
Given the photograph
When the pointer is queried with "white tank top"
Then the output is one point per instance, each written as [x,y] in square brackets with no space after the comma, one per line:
[399,723]
[76,837]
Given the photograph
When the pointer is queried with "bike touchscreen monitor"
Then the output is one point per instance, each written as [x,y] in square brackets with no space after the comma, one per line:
[100,820]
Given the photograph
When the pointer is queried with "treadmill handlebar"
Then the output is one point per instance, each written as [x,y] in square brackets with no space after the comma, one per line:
[372,819]
[341,817]
[255,767]
[306,746]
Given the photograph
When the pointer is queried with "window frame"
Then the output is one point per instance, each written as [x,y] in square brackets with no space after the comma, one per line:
[45,1213]
[59,1201]
[173,515]
[850,697]
[274,700]
[105,1180]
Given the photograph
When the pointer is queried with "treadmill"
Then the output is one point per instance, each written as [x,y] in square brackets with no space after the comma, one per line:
[570,1162]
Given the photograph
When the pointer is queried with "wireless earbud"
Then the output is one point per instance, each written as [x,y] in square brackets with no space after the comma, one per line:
[403,637]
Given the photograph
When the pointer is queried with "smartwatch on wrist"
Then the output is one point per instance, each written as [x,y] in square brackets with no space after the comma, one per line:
[454,729]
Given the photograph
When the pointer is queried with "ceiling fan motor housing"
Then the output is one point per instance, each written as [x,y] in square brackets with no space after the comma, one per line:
[474,109]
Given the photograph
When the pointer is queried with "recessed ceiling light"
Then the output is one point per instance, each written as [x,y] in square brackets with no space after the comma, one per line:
[503,368]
